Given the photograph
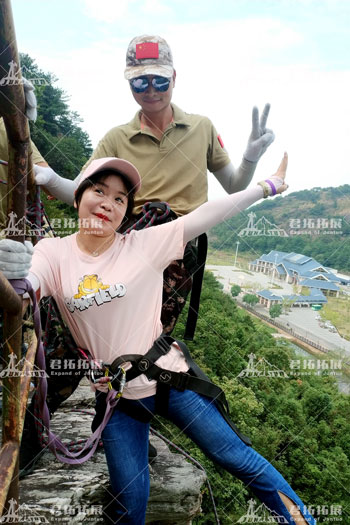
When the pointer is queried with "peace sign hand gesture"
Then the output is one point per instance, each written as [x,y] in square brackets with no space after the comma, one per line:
[261,137]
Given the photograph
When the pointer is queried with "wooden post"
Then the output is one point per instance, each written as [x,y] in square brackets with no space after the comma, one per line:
[12,109]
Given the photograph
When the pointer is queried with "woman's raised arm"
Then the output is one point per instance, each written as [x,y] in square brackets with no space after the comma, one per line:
[214,212]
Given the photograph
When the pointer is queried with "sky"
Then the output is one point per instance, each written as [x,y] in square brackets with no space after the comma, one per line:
[229,56]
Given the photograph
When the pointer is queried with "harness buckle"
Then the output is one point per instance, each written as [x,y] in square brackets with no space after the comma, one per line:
[181,381]
[120,381]
[162,345]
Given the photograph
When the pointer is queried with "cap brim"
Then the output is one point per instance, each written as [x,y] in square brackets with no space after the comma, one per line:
[151,69]
[113,163]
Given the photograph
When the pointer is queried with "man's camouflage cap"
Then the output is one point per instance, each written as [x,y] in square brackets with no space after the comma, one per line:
[148,55]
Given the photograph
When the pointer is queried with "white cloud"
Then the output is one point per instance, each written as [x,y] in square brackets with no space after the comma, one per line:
[156,6]
[108,11]
[112,11]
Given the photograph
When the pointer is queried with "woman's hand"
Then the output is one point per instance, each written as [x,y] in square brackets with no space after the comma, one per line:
[15,258]
[279,178]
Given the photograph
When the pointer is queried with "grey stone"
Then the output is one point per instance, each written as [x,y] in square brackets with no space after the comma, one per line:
[75,494]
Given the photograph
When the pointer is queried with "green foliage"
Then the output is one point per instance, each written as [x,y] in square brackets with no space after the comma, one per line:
[250,299]
[57,133]
[330,249]
[235,290]
[300,424]
[275,310]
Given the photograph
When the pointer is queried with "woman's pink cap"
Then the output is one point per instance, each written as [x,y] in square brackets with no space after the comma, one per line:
[122,166]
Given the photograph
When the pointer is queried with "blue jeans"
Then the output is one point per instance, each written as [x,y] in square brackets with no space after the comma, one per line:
[125,443]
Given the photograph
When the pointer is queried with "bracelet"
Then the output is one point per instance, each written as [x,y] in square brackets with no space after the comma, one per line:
[273,187]
[266,188]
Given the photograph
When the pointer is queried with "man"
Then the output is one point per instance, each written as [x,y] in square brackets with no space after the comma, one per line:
[171,149]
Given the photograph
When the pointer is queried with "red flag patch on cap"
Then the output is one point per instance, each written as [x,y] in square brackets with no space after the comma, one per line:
[220,141]
[147,50]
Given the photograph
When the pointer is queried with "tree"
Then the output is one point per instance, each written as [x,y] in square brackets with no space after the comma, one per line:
[275,310]
[250,299]
[58,136]
[287,303]
[235,290]
[57,132]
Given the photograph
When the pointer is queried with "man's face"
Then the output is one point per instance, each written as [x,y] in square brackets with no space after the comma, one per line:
[153,101]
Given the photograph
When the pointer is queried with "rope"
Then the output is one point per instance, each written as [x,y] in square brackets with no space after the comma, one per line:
[35,214]
[61,452]
[150,216]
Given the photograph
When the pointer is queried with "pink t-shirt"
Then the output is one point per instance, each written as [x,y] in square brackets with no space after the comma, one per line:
[112,303]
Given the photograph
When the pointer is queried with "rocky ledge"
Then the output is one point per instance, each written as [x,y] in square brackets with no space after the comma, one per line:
[57,493]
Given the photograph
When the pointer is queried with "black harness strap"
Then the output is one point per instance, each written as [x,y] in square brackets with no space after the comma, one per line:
[197,281]
[195,379]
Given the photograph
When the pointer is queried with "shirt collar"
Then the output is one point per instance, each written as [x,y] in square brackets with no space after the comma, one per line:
[180,119]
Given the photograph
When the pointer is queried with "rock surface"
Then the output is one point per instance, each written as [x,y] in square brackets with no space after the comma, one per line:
[76,494]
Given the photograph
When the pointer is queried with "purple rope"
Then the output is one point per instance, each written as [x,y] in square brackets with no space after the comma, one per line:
[54,443]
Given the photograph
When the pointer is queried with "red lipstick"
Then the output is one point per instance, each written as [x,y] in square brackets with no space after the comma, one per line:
[103,217]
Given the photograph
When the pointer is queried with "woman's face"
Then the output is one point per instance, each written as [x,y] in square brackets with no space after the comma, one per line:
[103,206]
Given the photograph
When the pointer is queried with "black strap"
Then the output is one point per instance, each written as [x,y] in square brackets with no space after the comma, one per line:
[193,308]
[195,379]
[145,364]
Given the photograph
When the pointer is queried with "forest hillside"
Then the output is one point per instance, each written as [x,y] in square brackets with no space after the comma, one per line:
[313,222]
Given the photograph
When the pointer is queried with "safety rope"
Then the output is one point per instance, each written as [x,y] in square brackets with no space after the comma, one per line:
[150,216]
[60,450]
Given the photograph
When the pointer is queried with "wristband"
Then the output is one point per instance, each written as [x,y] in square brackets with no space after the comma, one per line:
[266,188]
[273,187]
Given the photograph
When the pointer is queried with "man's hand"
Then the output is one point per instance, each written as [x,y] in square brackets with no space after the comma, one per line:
[260,137]
[31,112]
[15,258]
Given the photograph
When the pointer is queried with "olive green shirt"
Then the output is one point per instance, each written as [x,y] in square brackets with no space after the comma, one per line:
[174,168]
[36,157]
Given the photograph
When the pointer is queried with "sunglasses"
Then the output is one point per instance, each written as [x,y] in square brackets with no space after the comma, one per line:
[141,84]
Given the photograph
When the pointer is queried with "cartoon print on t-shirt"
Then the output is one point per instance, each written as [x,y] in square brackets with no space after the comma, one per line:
[91,290]
[90,284]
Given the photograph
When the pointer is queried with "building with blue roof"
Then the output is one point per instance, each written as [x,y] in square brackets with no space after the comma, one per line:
[268,298]
[295,268]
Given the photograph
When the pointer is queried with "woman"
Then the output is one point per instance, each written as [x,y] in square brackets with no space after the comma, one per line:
[108,288]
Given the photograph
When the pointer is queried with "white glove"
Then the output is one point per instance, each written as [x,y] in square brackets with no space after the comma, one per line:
[60,187]
[31,105]
[45,176]
[15,258]
[260,137]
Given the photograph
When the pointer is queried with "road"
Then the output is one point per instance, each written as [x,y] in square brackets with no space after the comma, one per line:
[302,320]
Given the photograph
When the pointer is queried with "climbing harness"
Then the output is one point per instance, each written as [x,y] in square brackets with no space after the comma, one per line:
[195,379]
